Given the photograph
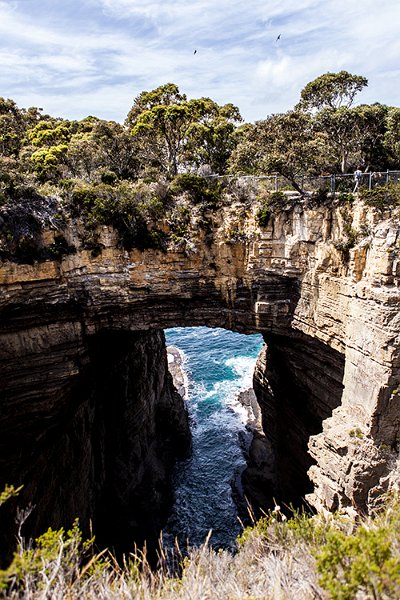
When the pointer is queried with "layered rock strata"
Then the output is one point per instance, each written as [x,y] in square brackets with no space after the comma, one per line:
[95,433]
[326,303]
[298,382]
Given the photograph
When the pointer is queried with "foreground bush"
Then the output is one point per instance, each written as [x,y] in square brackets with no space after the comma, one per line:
[301,557]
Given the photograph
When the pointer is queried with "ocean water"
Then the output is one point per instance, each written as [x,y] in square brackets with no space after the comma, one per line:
[219,364]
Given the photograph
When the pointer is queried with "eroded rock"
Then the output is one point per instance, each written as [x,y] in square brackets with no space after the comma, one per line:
[331,321]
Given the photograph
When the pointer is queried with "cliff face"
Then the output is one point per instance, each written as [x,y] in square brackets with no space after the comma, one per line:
[326,302]
[298,382]
[92,429]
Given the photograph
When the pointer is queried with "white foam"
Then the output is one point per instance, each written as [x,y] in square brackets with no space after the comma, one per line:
[244,367]
[227,390]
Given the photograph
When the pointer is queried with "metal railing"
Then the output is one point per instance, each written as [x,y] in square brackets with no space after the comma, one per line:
[338,182]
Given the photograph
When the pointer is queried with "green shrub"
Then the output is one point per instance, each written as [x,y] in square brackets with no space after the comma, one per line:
[349,558]
[351,236]
[236,235]
[382,196]
[199,189]
[356,433]
[152,208]
[10,491]
[269,202]
[83,199]
[108,177]
[325,556]
[276,198]
[345,197]
[263,215]
[66,184]
[56,555]
[363,561]
[130,208]
[179,224]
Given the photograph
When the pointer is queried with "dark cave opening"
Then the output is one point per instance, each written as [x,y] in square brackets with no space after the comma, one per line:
[83,449]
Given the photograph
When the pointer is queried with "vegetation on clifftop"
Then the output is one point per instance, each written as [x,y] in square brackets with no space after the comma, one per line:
[132,176]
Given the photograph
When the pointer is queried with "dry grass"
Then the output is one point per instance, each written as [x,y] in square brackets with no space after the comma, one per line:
[301,558]
[254,572]
[261,568]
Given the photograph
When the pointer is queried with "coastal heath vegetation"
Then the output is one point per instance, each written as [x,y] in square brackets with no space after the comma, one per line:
[286,554]
[172,153]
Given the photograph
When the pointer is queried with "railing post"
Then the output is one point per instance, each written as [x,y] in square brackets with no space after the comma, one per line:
[370,181]
[387,176]
[276,183]
[333,184]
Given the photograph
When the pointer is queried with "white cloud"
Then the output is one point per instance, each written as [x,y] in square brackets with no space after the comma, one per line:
[97,55]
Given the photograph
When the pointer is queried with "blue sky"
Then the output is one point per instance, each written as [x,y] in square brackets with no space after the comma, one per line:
[76,58]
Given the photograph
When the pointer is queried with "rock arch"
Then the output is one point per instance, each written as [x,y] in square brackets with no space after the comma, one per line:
[331,324]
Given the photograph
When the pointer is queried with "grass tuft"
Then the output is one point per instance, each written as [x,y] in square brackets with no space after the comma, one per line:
[296,556]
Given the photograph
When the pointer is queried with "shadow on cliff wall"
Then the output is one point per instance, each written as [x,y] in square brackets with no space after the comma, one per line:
[104,449]
[298,383]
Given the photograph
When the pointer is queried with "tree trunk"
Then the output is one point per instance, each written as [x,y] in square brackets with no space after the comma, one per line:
[343,162]
[294,183]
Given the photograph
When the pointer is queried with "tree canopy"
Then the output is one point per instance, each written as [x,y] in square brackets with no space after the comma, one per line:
[175,133]
[153,167]
[282,143]
[331,90]
[166,134]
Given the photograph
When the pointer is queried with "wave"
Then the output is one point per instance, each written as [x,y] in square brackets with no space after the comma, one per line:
[243,366]
[214,401]
[219,364]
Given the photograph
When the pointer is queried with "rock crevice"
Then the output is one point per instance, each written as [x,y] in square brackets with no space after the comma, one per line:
[102,445]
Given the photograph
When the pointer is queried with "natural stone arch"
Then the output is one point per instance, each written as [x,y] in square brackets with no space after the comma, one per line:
[288,282]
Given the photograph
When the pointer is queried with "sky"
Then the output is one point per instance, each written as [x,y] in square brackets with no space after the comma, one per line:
[93,57]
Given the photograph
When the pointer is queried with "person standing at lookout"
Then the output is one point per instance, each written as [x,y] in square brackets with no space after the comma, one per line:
[357,178]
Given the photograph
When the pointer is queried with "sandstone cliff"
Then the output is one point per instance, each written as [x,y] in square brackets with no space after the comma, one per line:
[327,303]
[92,429]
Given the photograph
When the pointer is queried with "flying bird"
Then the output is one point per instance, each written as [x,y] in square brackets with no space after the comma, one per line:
[278,38]
[195,52]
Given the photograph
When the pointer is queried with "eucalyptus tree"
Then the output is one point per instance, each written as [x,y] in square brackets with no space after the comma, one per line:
[371,130]
[284,144]
[167,94]
[353,136]
[14,123]
[211,137]
[331,90]
[329,99]
[116,149]
[392,135]
[46,145]
[157,121]
[174,133]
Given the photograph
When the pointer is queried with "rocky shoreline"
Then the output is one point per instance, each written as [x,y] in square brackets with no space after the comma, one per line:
[176,360]
[258,476]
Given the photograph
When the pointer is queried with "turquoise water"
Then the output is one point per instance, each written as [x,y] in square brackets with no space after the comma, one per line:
[219,364]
